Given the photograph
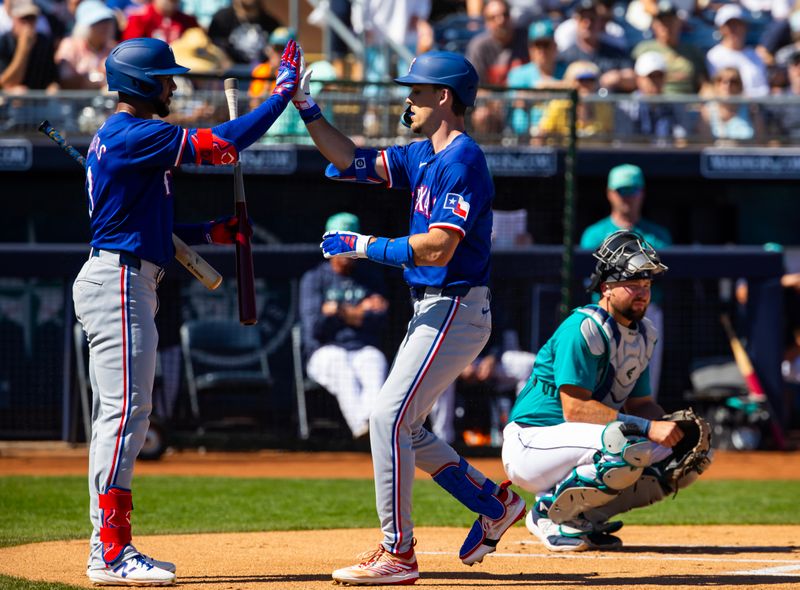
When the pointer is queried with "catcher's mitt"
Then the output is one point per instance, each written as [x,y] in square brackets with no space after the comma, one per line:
[692,455]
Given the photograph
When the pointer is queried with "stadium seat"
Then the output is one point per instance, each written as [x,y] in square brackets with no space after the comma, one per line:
[227,373]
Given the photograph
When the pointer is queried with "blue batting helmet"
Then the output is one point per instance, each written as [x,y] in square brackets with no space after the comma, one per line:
[444,68]
[133,65]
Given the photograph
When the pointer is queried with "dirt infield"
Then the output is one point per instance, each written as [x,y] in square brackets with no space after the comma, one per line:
[678,557]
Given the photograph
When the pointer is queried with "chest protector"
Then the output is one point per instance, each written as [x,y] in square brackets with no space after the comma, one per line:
[627,352]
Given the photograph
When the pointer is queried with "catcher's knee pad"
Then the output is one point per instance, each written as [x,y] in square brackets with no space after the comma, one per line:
[480,499]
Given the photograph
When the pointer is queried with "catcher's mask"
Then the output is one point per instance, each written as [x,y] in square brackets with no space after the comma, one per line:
[624,256]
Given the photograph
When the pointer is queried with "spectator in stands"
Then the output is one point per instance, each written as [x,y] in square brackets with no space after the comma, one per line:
[544,70]
[196,51]
[336,49]
[494,53]
[782,55]
[730,121]
[160,19]
[731,52]
[242,29]
[783,120]
[779,32]
[26,56]
[625,194]
[593,118]
[343,312]
[652,121]
[686,68]
[616,67]
[289,124]
[204,10]
[498,49]
[81,57]
[611,32]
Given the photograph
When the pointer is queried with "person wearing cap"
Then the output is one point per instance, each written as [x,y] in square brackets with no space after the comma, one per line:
[159,19]
[242,30]
[625,193]
[587,405]
[594,119]
[616,67]
[26,56]
[343,310]
[612,32]
[649,121]
[731,51]
[686,67]
[82,55]
[544,70]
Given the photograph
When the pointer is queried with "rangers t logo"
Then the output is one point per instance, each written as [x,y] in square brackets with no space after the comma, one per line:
[457,204]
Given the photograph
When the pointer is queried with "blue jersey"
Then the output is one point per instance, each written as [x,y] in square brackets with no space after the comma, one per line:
[129,174]
[451,190]
[129,185]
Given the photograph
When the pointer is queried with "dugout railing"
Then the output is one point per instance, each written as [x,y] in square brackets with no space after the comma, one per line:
[38,389]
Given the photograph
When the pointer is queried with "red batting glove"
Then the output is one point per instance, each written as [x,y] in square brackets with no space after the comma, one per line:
[288,76]
[223,230]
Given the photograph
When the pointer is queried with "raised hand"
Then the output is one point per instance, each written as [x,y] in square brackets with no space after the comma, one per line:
[288,76]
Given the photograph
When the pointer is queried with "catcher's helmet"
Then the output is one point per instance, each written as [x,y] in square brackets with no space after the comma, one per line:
[624,256]
[444,68]
[133,64]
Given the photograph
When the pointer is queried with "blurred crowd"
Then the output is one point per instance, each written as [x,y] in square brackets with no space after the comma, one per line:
[725,53]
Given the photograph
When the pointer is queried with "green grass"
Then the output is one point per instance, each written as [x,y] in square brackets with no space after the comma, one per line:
[9,583]
[51,508]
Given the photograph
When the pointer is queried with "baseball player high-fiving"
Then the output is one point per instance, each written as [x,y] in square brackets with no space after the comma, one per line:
[129,190]
[445,259]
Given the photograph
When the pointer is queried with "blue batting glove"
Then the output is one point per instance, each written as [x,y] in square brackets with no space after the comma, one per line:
[344,243]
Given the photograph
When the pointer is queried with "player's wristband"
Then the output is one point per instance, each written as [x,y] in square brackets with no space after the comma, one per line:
[643,424]
[309,110]
[394,252]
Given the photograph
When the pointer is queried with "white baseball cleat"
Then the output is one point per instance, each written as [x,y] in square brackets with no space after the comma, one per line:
[379,568]
[548,533]
[485,533]
[134,571]
[164,565]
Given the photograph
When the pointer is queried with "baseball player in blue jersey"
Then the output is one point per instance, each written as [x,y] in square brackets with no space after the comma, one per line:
[585,434]
[445,261]
[130,197]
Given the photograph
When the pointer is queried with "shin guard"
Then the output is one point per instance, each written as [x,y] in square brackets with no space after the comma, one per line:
[481,499]
[115,533]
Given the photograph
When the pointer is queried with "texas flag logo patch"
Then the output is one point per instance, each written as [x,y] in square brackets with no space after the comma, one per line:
[457,204]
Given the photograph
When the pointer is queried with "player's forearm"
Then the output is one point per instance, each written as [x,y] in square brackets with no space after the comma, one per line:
[337,148]
[435,248]
[244,131]
[587,411]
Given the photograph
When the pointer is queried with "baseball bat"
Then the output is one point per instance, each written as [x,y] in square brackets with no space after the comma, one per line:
[245,276]
[191,260]
[751,379]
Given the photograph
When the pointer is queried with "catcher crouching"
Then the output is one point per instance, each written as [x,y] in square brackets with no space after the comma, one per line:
[585,434]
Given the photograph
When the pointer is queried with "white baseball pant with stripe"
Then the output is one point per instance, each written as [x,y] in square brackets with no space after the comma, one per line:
[116,306]
[444,335]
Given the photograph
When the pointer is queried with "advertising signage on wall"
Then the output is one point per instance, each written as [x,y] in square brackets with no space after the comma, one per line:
[15,154]
[751,162]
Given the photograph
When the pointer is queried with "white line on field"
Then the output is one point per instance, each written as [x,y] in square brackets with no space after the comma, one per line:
[771,571]
[617,555]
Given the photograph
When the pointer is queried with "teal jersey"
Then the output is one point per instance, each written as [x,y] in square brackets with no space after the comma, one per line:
[588,350]
[656,235]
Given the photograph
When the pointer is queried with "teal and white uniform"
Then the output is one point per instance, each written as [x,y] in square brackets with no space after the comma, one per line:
[589,350]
